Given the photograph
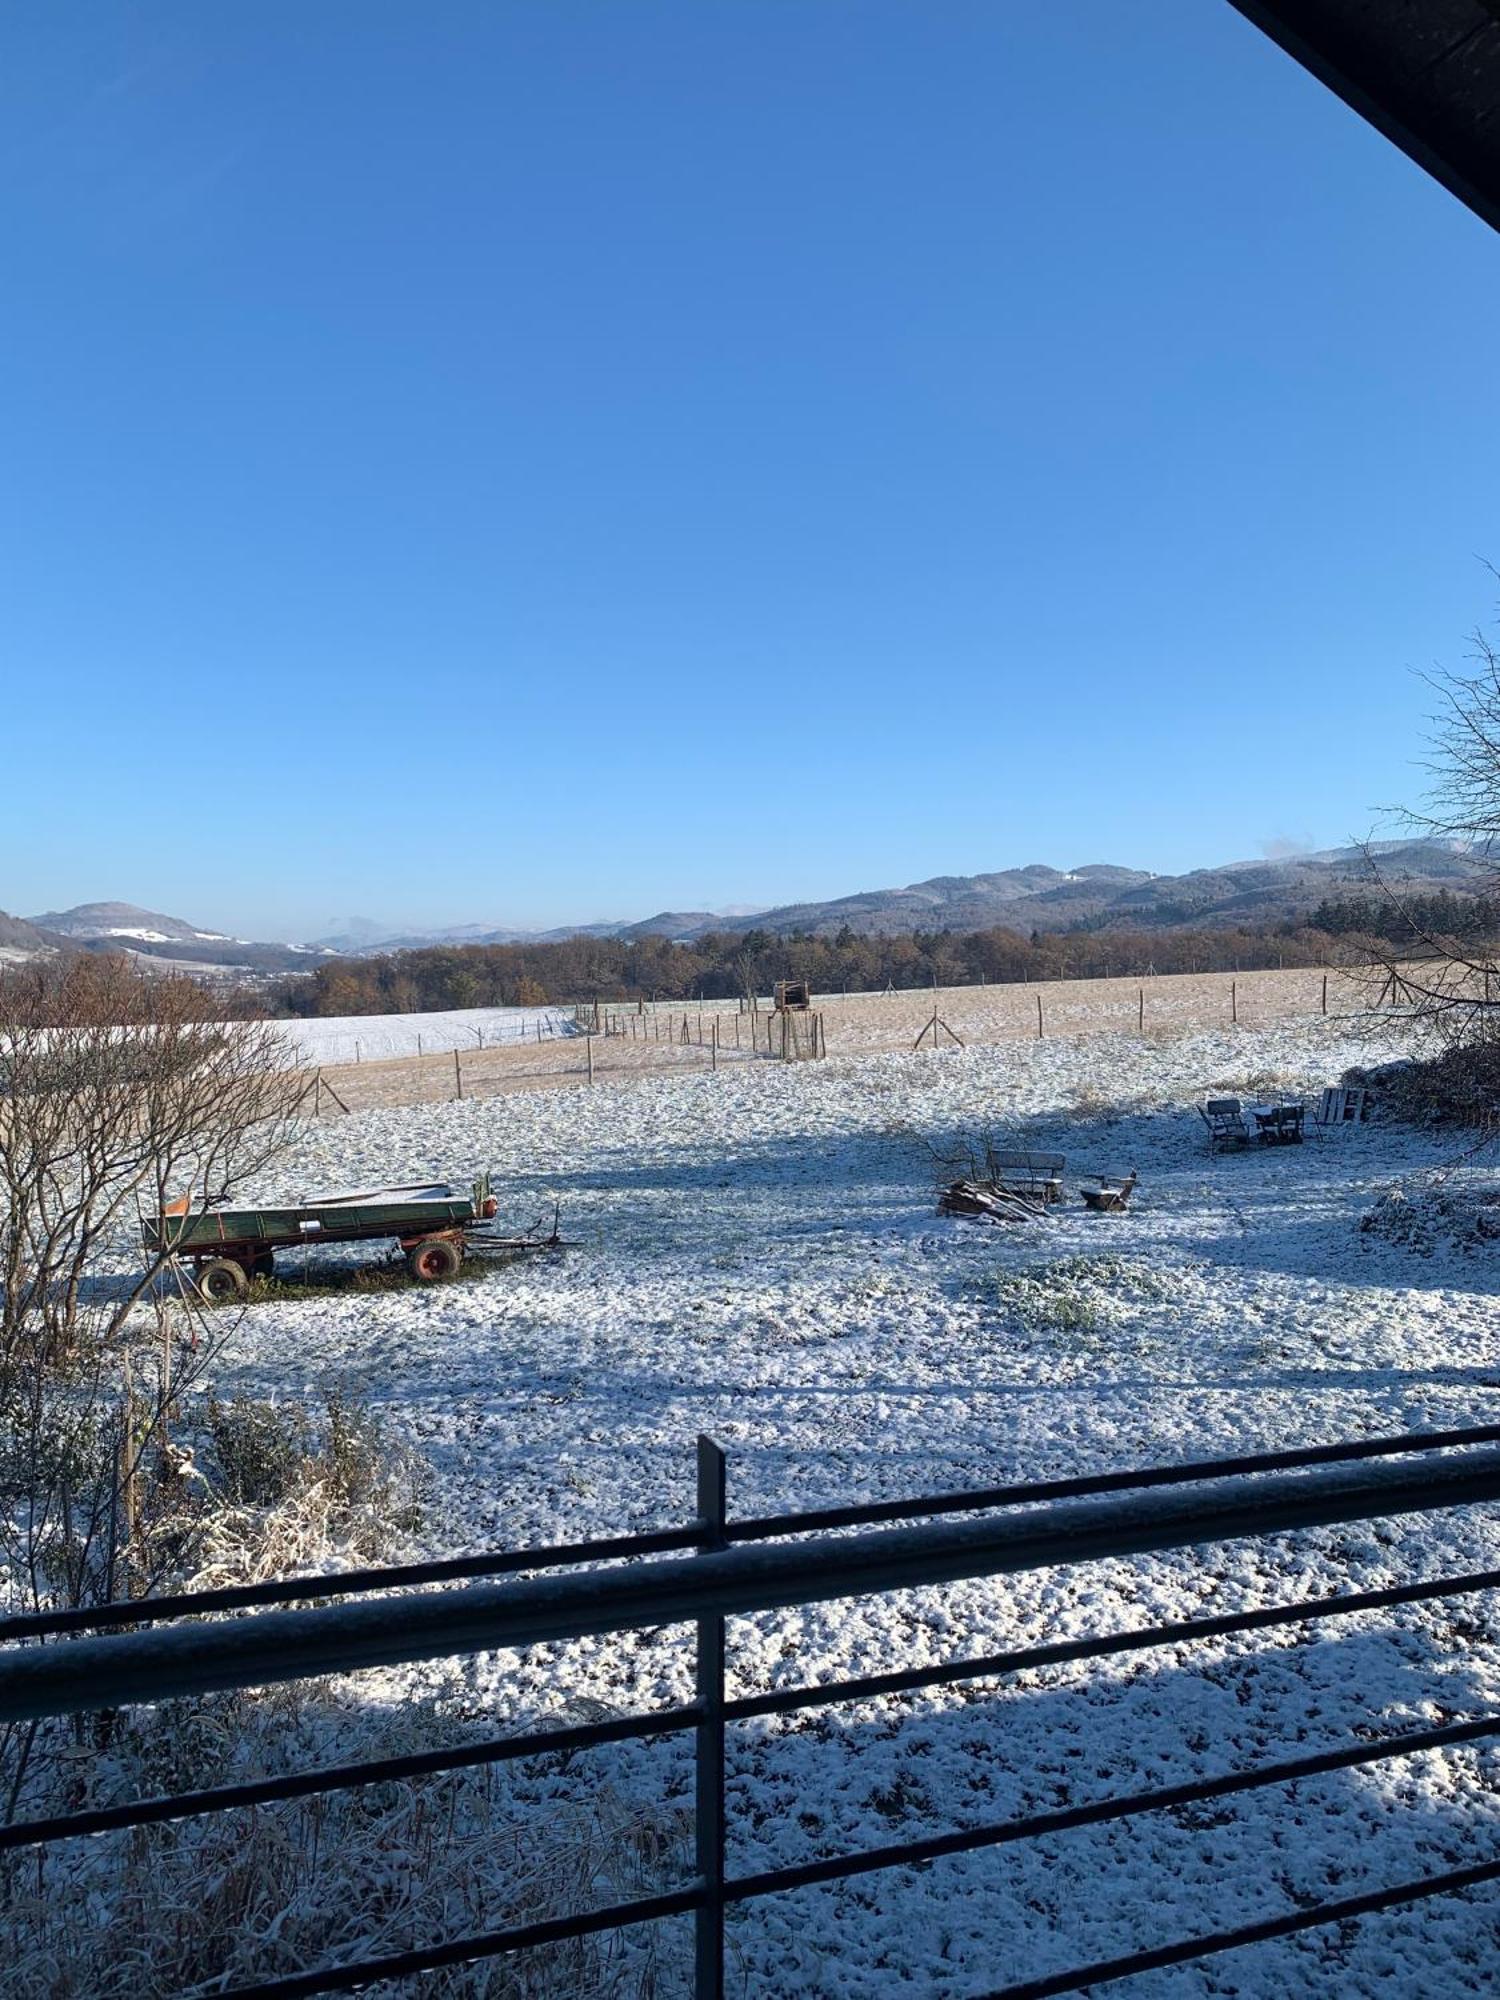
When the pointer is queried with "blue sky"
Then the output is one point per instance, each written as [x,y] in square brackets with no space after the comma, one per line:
[532,462]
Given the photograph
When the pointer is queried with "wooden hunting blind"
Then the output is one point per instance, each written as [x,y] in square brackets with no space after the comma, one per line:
[793,996]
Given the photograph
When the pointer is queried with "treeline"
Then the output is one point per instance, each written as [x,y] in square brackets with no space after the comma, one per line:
[721,967]
[1401,919]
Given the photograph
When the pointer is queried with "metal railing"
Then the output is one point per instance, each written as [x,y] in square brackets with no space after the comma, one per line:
[141,1653]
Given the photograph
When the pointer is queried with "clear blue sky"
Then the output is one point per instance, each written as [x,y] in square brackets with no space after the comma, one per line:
[531,462]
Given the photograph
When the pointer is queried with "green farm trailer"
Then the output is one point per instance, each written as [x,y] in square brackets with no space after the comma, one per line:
[434,1225]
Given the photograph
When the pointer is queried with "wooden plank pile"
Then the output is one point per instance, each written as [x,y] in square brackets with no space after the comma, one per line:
[987,1199]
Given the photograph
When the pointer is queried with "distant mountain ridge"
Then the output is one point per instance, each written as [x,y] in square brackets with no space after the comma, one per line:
[1102,895]
[1037,897]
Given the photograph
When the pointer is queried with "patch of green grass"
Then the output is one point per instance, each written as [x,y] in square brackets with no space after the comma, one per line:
[291,1281]
[1079,1294]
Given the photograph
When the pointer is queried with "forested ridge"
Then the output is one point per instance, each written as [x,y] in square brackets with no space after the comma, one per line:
[719,967]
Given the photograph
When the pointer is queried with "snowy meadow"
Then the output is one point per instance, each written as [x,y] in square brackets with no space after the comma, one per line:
[757,1255]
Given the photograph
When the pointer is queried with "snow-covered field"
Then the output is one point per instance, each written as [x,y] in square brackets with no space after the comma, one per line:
[362,1038]
[759,1257]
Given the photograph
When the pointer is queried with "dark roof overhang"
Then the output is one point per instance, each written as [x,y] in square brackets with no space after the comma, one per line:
[1426,73]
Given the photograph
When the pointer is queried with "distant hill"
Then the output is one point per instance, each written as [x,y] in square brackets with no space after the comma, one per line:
[154,935]
[131,925]
[1102,895]
[1097,896]
[21,940]
[1107,897]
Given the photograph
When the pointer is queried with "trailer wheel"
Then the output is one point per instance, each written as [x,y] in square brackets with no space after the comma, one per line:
[222,1280]
[437,1258]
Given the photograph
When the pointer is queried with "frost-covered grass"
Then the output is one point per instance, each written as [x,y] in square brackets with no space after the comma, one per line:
[760,1258]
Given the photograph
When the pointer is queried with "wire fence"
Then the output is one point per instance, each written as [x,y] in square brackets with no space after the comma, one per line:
[618,1040]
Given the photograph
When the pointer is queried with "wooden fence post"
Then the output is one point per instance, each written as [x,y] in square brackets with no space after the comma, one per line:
[714,1056]
[1325,992]
[1040,1025]
[1140,1018]
[588,1043]
[458,1079]
[1234,1001]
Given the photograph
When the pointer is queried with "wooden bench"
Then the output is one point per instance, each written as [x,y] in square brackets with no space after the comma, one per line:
[1031,1177]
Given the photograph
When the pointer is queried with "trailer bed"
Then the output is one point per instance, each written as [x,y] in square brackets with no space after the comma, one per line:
[432,1223]
[339,1218]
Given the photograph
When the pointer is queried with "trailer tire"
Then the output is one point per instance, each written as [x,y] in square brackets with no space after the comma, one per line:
[221,1281]
[439,1257]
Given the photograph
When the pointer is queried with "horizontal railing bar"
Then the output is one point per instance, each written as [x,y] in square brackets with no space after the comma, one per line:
[345,1583]
[1067,1819]
[157,1664]
[344,1777]
[1343,1912]
[870,1513]
[669,1721]
[461,1951]
[984,1666]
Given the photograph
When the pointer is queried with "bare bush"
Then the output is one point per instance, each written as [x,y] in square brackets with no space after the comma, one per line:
[292,1492]
[236,1898]
[1448,981]
[117,1093]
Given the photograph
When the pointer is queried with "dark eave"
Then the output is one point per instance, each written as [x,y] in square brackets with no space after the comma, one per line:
[1426,73]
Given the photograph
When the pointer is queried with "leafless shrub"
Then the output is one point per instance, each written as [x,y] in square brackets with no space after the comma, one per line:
[295,1492]
[1424,1216]
[1448,986]
[257,1490]
[117,1093]
[1459,1085]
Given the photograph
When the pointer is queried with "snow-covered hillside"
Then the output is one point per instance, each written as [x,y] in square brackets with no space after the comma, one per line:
[349,1038]
[759,1257]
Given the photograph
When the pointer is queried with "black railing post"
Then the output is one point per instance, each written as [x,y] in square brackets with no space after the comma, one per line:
[708,1937]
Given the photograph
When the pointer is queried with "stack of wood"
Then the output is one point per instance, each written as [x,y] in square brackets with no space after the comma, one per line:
[985,1198]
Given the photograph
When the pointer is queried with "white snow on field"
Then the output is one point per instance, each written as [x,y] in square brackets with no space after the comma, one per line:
[349,1038]
[760,1258]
